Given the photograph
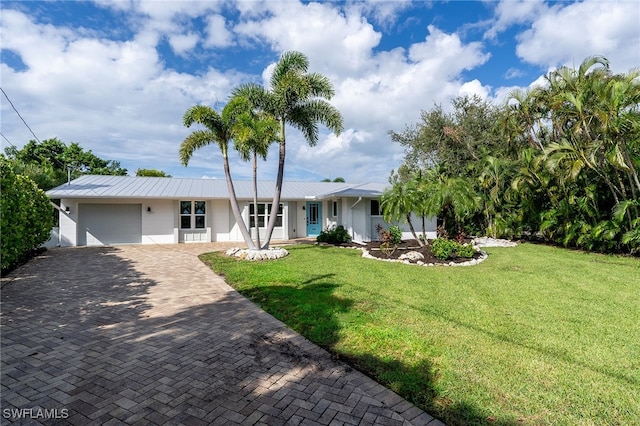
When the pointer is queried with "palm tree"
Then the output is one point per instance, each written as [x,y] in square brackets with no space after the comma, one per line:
[397,204]
[449,195]
[254,134]
[493,182]
[219,129]
[298,98]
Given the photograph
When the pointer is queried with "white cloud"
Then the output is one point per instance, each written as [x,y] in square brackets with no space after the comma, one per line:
[112,97]
[510,12]
[183,43]
[330,38]
[134,114]
[568,33]
[513,73]
[217,33]
[120,100]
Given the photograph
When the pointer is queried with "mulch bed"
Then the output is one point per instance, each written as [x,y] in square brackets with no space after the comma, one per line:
[407,246]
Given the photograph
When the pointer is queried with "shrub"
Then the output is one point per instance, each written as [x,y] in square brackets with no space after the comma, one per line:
[445,249]
[396,234]
[466,250]
[389,240]
[334,235]
[442,248]
[26,216]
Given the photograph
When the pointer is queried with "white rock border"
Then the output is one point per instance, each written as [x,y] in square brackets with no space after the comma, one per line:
[492,242]
[482,258]
[257,255]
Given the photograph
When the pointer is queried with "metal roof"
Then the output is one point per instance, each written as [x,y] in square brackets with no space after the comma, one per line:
[93,186]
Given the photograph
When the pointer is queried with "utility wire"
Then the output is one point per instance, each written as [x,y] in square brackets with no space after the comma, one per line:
[64,166]
[5,138]
[14,108]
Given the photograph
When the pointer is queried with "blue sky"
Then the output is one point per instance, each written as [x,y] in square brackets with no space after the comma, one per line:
[117,76]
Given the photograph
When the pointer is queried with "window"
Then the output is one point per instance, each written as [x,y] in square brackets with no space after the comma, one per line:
[264,210]
[334,209]
[193,214]
[375,208]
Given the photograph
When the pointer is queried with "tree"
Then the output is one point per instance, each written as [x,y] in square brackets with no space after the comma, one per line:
[397,203]
[26,216]
[51,162]
[338,179]
[219,129]
[495,186]
[297,98]
[254,133]
[449,197]
[151,173]
[451,140]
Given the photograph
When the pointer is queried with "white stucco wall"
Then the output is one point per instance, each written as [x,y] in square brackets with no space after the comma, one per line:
[68,223]
[221,220]
[158,224]
[301,219]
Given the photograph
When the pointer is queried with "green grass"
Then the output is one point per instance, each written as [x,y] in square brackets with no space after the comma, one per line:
[533,335]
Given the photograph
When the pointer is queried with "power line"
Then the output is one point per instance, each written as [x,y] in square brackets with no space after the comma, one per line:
[14,108]
[5,138]
[64,166]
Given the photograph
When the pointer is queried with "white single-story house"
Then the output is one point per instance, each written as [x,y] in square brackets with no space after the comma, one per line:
[101,210]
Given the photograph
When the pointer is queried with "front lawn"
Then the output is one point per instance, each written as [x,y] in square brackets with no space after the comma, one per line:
[533,335]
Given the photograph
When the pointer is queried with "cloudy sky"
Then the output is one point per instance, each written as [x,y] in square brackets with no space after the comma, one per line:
[116,76]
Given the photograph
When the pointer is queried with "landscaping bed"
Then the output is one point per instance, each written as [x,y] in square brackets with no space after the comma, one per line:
[405,252]
[401,251]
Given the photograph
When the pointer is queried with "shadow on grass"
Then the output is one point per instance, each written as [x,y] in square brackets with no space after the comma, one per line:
[308,308]
[311,308]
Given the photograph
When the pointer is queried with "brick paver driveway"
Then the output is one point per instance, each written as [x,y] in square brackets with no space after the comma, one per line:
[149,335]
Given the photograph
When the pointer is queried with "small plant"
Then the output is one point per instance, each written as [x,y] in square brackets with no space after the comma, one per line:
[466,250]
[448,249]
[388,244]
[334,235]
[396,234]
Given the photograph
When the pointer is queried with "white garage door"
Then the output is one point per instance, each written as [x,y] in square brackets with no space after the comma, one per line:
[100,224]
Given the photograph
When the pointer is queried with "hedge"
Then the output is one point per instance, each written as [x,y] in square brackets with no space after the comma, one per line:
[26,217]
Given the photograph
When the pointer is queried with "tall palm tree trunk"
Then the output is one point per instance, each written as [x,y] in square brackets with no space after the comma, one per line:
[234,204]
[255,197]
[273,215]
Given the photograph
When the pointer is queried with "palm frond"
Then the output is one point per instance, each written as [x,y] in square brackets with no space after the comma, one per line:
[197,140]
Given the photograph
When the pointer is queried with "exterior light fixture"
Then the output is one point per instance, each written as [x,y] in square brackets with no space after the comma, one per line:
[148,209]
[67,209]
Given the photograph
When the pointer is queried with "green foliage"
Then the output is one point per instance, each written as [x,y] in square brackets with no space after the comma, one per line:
[26,216]
[396,234]
[151,173]
[48,162]
[334,235]
[465,250]
[559,162]
[295,97]
[445,249]
[389,239]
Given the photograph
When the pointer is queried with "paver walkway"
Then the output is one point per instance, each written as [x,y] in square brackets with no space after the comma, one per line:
[150,335]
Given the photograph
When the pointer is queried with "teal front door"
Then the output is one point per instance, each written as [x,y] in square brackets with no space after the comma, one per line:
[314,219]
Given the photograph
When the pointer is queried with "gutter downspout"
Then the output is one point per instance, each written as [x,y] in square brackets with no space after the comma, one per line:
[357,201]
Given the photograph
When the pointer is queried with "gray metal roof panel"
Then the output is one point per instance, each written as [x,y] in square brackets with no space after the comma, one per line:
[91,186]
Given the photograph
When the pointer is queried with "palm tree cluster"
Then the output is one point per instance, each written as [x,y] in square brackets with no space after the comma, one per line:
[255,117]
[558,162]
